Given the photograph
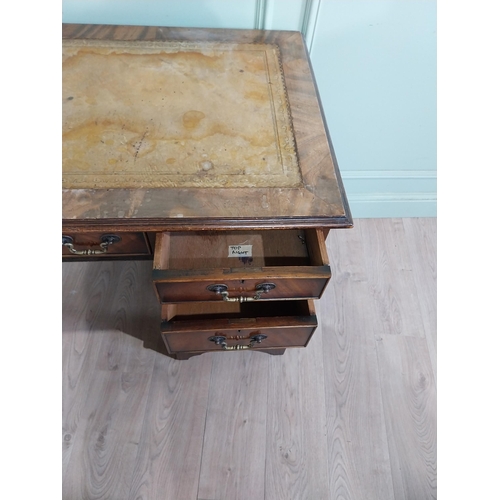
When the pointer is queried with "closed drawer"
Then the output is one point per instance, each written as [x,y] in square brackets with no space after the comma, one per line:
[234,326]
[78,245]
[240,265]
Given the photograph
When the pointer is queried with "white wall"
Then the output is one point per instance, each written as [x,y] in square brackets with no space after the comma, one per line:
[375,65]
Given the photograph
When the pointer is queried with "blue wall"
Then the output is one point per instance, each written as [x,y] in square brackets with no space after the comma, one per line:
[376,69]
[375,64]
[183,13]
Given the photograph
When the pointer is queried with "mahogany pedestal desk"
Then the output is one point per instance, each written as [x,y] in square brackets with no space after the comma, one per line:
[207,152]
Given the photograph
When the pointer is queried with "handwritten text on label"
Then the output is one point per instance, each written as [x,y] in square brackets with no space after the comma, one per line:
[240,251]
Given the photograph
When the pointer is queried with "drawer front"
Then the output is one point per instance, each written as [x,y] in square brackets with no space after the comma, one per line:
[308,285]
[97,244]
[215,327]
[282,265]
[209,340]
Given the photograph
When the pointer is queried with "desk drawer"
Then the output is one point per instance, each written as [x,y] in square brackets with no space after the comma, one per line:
[104,244]
[240,265]
[201,327]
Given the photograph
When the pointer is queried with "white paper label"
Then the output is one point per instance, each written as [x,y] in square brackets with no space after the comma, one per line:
[240,251]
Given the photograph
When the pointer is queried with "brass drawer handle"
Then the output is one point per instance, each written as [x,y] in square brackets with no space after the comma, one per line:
[106,241]
[222,290]
[221,340]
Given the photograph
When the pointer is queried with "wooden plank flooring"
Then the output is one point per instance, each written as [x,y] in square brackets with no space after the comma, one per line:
[352,416]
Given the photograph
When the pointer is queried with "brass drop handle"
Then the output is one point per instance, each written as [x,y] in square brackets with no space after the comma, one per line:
[221,340]
[222,290]
[106,241]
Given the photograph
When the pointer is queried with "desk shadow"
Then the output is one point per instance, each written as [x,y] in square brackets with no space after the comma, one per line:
[108,295]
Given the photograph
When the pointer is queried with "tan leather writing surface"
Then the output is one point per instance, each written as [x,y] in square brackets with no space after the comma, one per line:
[145,114]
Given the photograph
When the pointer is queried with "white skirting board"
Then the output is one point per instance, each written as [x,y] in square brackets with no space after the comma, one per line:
[391,193]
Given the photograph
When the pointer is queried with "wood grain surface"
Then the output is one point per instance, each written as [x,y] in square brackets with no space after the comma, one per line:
[349,322]
[296,454]
[170,448]
[389,272]
[409,395]
[350,417]
[234,447]
[421,241]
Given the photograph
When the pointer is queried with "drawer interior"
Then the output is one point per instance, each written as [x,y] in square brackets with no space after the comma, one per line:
[236,310]
[240,249]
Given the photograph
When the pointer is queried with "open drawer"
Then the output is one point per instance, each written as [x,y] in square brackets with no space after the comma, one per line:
[201,327]
[240,266]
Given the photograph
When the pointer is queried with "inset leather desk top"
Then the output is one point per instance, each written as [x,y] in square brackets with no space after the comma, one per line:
[165,127]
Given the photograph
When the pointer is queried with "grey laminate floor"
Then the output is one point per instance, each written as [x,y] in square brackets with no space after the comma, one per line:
[352,416]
